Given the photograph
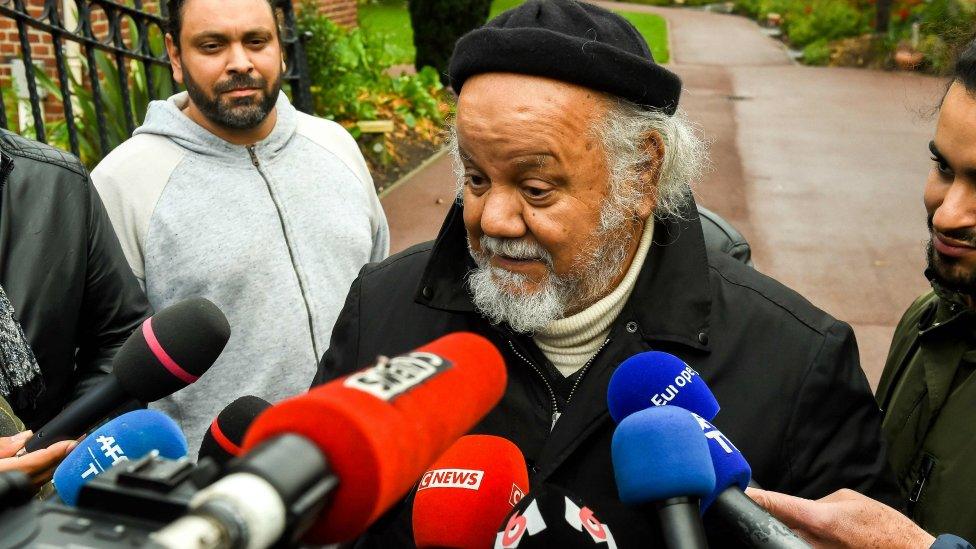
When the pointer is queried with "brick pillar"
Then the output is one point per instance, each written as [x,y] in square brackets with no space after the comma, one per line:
[343,12]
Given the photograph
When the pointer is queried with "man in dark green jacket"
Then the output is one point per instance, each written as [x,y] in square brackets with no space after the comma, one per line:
[928,388]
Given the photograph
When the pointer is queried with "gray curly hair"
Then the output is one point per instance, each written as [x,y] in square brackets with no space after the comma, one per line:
[624,131]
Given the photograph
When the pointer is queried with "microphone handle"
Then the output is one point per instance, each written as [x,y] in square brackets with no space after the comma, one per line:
[80,415]
[681,525]
[752,524]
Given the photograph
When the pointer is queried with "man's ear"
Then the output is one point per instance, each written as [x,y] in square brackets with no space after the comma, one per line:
[654,152]
[175,63]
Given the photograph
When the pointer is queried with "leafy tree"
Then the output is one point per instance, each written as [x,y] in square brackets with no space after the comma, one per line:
[437,25]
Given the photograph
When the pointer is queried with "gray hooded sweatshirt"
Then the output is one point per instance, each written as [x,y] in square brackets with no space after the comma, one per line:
[273,234]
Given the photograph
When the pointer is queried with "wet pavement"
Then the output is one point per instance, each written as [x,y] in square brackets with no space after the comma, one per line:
[820,168]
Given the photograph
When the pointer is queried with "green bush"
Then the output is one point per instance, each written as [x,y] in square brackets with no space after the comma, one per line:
[351,82]
[437,25]
[817,53]
[806,23]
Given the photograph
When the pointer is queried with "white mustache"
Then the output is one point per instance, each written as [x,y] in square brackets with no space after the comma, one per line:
[515,248]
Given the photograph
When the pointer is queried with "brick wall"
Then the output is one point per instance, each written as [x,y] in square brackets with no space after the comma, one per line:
[343,12]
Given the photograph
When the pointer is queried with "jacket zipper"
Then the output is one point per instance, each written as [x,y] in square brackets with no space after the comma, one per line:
[6,166]
[925,471]
[291,255]
[552,394]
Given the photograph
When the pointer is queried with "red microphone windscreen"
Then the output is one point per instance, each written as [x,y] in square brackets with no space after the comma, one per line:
[467,492]
[382,426]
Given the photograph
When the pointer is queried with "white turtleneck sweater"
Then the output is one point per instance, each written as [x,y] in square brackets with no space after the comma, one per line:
[569,342]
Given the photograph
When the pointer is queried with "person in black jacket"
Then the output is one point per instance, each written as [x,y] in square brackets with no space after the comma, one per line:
[575,244]
[64,278]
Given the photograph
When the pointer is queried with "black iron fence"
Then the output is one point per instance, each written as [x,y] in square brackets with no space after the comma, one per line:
[108,68]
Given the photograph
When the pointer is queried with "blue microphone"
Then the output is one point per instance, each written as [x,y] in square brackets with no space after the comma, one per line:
[728,504]
[661,458]
[655,378]
[127,437]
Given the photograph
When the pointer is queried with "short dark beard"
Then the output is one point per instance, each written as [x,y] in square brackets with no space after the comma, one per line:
[241,113]
[940,268]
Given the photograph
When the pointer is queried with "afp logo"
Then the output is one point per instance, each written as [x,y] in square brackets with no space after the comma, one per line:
[391,377]
[468,479]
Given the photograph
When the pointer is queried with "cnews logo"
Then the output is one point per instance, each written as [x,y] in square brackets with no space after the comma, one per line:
[468,479]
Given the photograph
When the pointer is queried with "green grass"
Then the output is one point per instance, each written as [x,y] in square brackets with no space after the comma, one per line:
[388,20]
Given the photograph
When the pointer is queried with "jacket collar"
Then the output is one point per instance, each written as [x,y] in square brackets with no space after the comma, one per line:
[671,300]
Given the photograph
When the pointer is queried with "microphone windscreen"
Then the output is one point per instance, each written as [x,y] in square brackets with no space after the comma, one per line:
[660,453]
[552,517]
[655,378]
[382,426]
[171,349]
[731,467]
[467,492]
[127,437]
[223,439]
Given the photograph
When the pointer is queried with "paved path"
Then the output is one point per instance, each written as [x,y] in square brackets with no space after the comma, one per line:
[821,169]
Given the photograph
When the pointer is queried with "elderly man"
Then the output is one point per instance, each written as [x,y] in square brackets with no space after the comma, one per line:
[575,244]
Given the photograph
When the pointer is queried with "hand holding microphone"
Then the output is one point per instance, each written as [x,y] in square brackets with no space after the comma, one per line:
[39,465]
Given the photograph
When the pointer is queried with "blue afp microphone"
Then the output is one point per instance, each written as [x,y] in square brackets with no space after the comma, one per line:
[661,458]
[127,437]
[730,507]
[655,378]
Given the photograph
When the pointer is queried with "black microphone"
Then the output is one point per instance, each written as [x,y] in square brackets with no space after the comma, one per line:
[223,440]
[171,350]
[731,508]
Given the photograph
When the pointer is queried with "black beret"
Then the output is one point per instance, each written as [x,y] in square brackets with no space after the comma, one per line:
[570,41]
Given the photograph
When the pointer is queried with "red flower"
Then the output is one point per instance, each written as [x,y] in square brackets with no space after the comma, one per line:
[904,13]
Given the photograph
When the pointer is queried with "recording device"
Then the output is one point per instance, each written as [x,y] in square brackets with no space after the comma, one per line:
[731,507]
[127,437]
[117,509]
[656,378]
[465,494]
[661,459]
[550,516]
[376,431]
[172,349]
[222,441]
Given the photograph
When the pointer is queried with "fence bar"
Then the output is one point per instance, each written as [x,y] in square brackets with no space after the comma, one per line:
[35,99]
[64,83]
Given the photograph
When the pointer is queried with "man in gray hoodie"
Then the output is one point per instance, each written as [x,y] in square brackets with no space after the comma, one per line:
[228,192]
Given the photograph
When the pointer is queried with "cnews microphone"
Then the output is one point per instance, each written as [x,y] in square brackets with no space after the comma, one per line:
[467,492]
[127,437]
[660,457]
[655,378]
[731,507]
[375,431]
[222,441]
[552,517]
[173,349]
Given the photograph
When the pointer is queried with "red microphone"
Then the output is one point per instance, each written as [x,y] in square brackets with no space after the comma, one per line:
[381,427]
[467,492]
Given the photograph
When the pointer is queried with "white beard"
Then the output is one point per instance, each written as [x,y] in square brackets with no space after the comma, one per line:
[501,295]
